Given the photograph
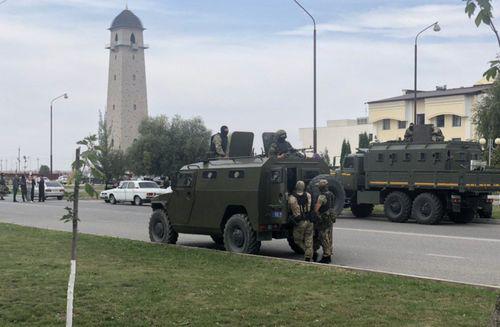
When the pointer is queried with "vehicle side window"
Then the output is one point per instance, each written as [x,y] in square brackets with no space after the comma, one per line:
[123,186]
[349,162]
[422,156]
[131,185]
[393,157]
[236,174]
[407,157]
[184,180]
[437,156]
[276,176]
[209,175]
[380,157]
[309,175]
[461,156]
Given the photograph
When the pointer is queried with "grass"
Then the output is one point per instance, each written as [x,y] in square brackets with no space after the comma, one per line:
[82,194]
[129,283]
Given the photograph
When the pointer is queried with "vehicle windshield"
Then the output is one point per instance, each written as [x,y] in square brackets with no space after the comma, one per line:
[53,184]
[148,185]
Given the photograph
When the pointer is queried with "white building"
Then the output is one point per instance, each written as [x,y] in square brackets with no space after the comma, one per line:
[127,104]
[332,136]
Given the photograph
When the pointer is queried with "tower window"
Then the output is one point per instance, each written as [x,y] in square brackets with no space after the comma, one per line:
[457,121]
[116,37]
[113,107]
[386,124]
[440,121]
[133,77]
[132,38]
[133,57]
[115,57]
[135,107]
[114,77]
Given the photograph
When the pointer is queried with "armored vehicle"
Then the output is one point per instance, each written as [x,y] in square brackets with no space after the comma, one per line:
[422,179]
[239,201]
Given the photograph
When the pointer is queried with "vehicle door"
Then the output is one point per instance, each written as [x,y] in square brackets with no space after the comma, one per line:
[130,191]
[183,197]
[348,173]
[119,193]
[278,201]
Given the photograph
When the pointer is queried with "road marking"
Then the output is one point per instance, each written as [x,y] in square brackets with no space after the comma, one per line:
[445,256]
[420,234]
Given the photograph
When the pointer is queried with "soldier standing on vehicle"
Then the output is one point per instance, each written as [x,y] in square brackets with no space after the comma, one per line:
[303,230]
[409,133]
[326,217]
[281,148]
[15,187]
[219,143]
[437,134]
[3,187]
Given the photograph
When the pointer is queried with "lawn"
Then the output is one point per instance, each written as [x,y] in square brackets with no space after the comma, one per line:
[130,283]
[82,194]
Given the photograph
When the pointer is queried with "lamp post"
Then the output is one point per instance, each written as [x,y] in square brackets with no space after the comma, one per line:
[65,96]
[489,143]
[436,28]
[315,131]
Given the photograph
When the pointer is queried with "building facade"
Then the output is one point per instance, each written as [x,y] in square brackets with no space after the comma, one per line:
[449,109]
[332,136]
[127,104]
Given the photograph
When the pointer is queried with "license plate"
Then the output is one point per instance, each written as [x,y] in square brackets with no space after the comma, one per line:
[276,214]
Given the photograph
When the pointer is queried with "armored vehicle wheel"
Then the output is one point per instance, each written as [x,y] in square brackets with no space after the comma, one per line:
[218,239]
[361,210]
[486,212]
[427,209]
[465,216]
[334,186]
[160,229]
[112,199]
[239,235]
[294,246]
[397,207]
[137,201]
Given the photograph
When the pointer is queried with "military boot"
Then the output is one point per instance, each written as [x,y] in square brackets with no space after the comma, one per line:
[308,259]
[315,257]
[326,260]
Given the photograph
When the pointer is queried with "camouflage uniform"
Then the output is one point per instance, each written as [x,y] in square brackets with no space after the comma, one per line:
[219,150]
[437,134]
[303,231]
[281,147]
[3,187]
[323,227]
[219,143]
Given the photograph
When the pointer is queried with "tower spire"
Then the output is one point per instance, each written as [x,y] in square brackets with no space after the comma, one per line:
[126,5]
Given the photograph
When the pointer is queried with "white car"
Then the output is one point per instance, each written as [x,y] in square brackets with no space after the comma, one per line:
[53,189]
[136,192]
[63,179]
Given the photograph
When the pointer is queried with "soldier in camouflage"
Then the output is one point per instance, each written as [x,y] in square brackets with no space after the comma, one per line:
[281,148]
[219,143]
[326,218]
[303,231]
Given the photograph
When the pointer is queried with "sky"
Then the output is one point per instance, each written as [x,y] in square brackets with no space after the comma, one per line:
[243,63]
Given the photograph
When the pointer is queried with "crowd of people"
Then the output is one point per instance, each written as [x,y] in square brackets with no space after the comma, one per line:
[24,184]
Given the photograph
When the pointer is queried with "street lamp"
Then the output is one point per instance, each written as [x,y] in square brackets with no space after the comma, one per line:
[65,96]
[436,28]
[315,132]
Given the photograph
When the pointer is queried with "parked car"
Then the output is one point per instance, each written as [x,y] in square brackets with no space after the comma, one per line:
[63,179]
[135,192]
[53,189]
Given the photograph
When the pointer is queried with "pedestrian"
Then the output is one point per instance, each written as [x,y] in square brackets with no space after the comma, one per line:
[3,187]
[323,208]
[15,187]
[303,230]
[219,143]
[41,189]
[24,188]
[33,185]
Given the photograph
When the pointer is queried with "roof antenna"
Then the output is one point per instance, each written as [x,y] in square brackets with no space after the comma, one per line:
[126,5]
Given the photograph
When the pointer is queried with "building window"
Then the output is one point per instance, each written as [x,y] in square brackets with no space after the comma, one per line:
[457,121]
[440,121]
[370,137]
[116,37]
[133,77]
[115,57]
[420,119]
[113,107]
[135,107]
[133,57]
[362,121]
[386,124]
[114,77]
[402,124]
[132,38]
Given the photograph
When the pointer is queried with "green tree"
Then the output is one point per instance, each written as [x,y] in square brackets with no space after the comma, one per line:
[44,170]
[486,117]
[345,150]
[364,141]
[111,161]
[165,146]
[483,11]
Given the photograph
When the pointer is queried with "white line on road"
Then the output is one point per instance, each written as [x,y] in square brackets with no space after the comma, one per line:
[445,256]
[419,234]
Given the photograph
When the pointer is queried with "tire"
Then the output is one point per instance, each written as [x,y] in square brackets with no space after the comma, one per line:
[160,228]
[60,197]
[112,199]
[218,239]
[137,201]
[362,210]
[239,236]
[427,209]
[106,201]
[295,248]
[486,211]
[465,216]
[397,207]
[334,185]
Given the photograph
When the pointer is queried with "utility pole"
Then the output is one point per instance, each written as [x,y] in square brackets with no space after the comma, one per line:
[18,166]
[38,164]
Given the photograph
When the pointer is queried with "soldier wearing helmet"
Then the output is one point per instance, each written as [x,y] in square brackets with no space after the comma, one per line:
[324,224]
[303,229]
[281,148]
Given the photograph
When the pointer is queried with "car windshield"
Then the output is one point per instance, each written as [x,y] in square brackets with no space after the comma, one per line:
[53,184]
[148,185]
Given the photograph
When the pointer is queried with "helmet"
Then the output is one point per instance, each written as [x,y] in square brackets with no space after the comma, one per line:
[280,132]
[300,187]
[323,183]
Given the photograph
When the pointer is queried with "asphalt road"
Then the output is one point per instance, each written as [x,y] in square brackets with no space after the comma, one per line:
[464,253]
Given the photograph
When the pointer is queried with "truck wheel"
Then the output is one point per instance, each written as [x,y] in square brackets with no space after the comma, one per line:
[112,199]
[361,210]
[427,209]
[486,211]
[160,228]
[137,201]
[334,186]
[218,239]
[239,235]
[465,216]
[294,246]
[397,207]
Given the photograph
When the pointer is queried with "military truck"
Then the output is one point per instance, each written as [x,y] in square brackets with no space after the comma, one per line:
[239,201]
[420,179]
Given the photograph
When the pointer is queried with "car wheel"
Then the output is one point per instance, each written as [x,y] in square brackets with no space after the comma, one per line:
[137,200]
[362,210]
[60,197]
[427,209]
[218,239]
[486,211]
[239,236]
[106,201]
[112,199]
[465,216]
[334,186]
[160,228]
[397,207]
